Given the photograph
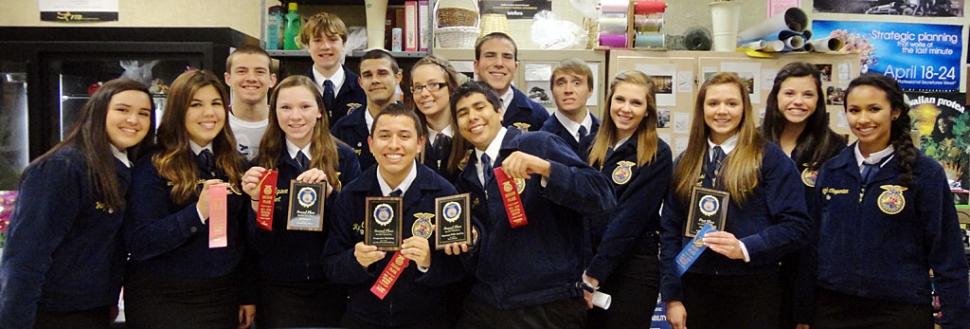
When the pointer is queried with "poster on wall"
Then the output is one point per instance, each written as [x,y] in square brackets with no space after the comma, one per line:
[944,134]
[515,9]
[926,8]
[78,11]
[919,56]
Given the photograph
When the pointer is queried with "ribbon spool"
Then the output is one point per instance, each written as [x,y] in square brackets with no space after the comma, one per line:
[613,40]
[649,7]
[611,25]
[614,7]
[650,40]
[651,23]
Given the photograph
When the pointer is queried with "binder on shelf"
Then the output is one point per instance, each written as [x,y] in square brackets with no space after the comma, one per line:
[424,25]
[410,26]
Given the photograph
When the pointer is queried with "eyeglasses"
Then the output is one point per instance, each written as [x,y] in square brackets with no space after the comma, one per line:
[432,87]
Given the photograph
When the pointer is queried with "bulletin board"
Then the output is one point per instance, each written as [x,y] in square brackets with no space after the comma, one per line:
[688,71]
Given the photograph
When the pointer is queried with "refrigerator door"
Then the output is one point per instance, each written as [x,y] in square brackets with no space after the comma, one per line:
[13,131]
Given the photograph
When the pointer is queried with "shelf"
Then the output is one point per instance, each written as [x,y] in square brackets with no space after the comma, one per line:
[356,53]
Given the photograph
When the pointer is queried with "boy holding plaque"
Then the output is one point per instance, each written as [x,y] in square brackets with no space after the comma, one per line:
[747,194]
[186,251]
[530,258]
[293,289]
[392,205]
[886,220]
[625,241]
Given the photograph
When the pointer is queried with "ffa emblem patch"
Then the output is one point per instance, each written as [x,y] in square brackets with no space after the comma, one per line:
[623,172]
[422,225]
[383,214]
[809,176]
[708,205]
[892,201]
[522,126]
[307,196]
[352,106]
[452,210]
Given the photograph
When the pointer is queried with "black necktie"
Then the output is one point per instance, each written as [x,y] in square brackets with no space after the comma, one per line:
[486,169]
[328,95]
[206,160]
[869,171]
[582,132]
[303,161]
[396,193]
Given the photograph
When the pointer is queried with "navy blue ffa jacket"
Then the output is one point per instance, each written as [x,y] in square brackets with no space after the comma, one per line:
[416,296]
[436,158]
[543,261]
[296,256]
[63,250]
[351,96]
[352,129]
[879,240]
[639,193]
[553,126]
[772,222]
[168,239]
[523,113]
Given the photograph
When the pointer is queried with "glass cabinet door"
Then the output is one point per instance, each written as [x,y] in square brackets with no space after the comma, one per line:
[13,130]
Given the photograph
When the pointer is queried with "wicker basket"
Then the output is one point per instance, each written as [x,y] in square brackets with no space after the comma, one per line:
[494,23]
[453,16]
[453,28]
[463,37]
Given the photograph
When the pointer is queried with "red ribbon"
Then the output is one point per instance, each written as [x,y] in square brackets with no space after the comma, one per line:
[511,199]
[267,200]
[217,216]
[390,274]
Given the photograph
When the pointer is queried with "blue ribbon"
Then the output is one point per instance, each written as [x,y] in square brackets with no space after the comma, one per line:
[693,250]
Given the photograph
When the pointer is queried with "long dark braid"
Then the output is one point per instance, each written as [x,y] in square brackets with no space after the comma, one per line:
[899,133]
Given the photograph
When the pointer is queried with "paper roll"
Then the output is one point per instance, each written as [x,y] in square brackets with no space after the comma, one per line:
[649,40]
[614,6]
[649,7]
[794,42]
[612,24]
[792,19]
[613,40]
[773,46]
[651,23]
[602,300]
[825,45]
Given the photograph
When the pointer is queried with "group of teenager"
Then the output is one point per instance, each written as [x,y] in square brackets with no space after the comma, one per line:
[818,234]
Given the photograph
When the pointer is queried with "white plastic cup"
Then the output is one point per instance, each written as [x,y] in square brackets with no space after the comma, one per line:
[602,300]
[724,16]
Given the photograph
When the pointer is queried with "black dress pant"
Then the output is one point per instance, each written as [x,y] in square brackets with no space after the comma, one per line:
[569,313]
[732,301]
[838,310]
[96,318]
[300,305]
[634,286]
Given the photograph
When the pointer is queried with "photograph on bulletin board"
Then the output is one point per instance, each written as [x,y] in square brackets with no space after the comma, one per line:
[919,56]
[925,8]
[944,135]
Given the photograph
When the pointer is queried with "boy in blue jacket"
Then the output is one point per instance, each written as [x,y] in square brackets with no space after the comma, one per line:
[529,276]
[416,299]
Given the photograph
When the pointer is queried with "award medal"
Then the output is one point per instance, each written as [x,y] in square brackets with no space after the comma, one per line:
[389,276]
[383,214]
[422,225]
[510,191]
[307,197]
[522,126]
[452,211]
[623,173]
[708,205]
[809,176]
[892,201]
